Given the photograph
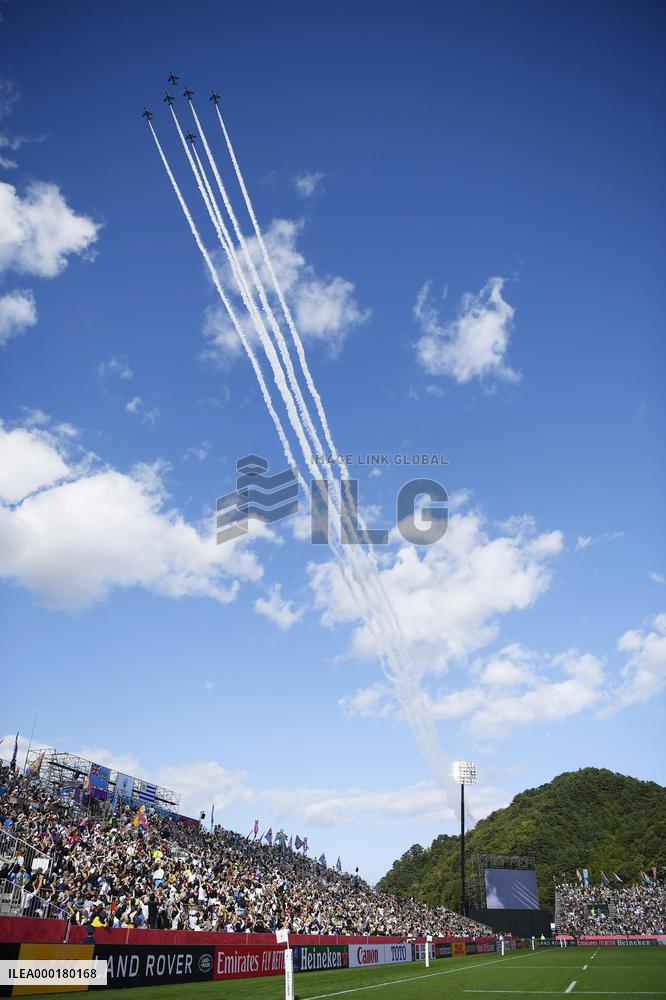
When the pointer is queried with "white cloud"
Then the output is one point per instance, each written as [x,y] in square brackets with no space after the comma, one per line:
[91,528]
[645,672]
[434,390]
[324,309]
[356,806]
[149,415]
[657,577]
[9,95]
[29,461]
[279,610]
[515,687]
[39,231]
[34,417]
[202,783]
[209,685]
[474,344]
[199,451]
[17,312]
[519,687]
[116,367]
[372,702]
[580,685]
[583,541]
[375,473]
[448,596]
[309,183]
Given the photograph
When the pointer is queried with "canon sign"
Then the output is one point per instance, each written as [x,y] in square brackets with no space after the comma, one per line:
[379,954]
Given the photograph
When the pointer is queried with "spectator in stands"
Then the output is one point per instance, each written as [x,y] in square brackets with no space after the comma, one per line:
[107,872]
[610,909]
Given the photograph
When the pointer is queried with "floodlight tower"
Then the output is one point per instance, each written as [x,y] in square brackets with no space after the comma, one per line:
[464,773]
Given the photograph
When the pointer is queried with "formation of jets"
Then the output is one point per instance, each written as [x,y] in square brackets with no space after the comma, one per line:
[169,99]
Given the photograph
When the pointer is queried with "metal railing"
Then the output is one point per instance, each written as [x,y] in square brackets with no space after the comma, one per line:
[12,847]
[16,901]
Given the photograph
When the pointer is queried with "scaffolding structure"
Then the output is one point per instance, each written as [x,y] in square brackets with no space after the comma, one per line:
[61,770]
[479,862]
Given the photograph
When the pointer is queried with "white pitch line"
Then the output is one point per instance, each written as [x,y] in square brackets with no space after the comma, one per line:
[570,987]
[429,975]
[593,993]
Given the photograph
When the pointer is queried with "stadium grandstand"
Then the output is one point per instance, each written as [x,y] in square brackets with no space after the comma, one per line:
[92,862]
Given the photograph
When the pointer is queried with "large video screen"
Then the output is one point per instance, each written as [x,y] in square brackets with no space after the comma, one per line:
[511,889]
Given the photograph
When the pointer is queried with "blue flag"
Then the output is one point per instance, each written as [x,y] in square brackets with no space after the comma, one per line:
[586,878]
[322,860]
[212,816]
[13,763]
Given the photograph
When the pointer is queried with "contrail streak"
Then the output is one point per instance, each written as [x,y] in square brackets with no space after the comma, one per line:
[227,305]
[300,351]
[395,663]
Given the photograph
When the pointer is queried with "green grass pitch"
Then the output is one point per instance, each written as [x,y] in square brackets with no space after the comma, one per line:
[584,972]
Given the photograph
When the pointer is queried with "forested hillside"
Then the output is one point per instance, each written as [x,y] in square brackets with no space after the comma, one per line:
[592,818]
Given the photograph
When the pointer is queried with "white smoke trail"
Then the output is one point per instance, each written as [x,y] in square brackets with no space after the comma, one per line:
[268,312]
[225,240]
[398,669]
[223,235]
[227,305]
[342,505]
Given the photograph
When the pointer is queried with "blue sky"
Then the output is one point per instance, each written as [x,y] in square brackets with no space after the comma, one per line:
[465,205]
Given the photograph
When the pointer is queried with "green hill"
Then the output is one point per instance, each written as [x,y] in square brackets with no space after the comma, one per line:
[591,818]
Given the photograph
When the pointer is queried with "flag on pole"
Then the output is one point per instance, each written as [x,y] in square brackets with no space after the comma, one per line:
[586,877]
[338,865]
[646,880]
[298,843]
[578,875]
[604,878]
[654,873]
[13,763]
[322,860]
[305,845]
[268,836]
[281,838]
[255,828]
[291,842]
[617,878]
[212,816]
[33,769]
[141,819]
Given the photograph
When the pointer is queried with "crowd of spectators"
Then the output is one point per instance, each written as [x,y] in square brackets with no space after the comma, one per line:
[106,871]
[611,909]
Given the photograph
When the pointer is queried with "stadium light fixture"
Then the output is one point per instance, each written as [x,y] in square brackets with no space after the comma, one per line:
[464,773]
